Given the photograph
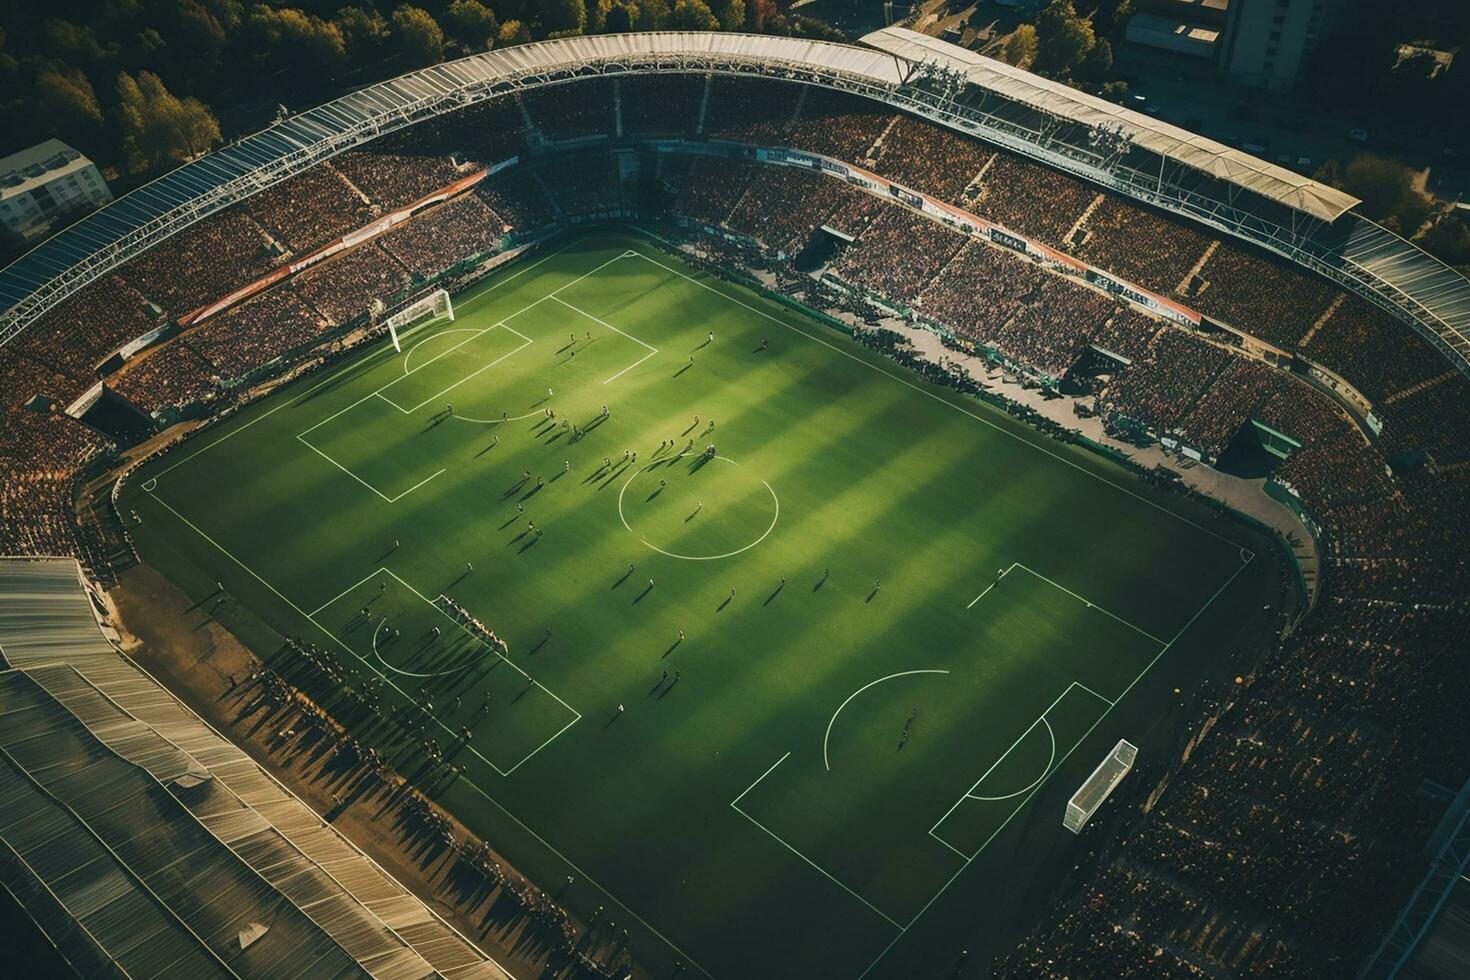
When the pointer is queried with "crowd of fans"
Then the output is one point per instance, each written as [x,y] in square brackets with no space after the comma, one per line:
[246,337]
[665,105]
[590,185]
[572,111]
[78,334]
[203,262]
[345,286]
[898,254]
[1260,297]
[1380,355]
[1301,800]
[1153,250]
[448,233]
[749,111]
[309,210]
[930,158]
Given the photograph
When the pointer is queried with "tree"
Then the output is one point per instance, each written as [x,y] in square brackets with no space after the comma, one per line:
[472,23]
[420,35]
[1020,47]
[692,15]
[1449,240]
[158,127]
[363,31]
[622,17]
[300,42]
[512,32]
[1386,188]
[1064,39]
[65,104]
[1098,61]
[730,13]
[653,15]
[564,15]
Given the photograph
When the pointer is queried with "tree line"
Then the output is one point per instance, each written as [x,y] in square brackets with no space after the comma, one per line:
[143,85]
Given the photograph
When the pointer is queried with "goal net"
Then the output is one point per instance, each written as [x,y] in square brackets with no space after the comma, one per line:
[1099,786]
[435,306]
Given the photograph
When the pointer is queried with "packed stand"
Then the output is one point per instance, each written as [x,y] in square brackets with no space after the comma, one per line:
[713,188]
[345,286]
[1379,355]
[309,210]
[246,337]
[1160,391]
[982,288]
[898,254]
[77,334]
[434,240]
[1051,330]
[1435,420]
[1260,297]
[660,104]
[1153,250]
[1229,403]
[394,178]
[203,262]
[785,205]
[1031,199]
[839,125]
[585,185]
[929,158]
[172,376]
[573,110]
[748,111]
[518,201]
[1128,334]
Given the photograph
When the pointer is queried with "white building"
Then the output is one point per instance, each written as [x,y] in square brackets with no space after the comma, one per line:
[46,182]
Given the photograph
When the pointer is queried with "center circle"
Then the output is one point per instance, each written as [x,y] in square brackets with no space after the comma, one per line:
[698,508]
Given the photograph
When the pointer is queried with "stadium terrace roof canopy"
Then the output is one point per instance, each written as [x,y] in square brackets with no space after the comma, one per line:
[119,809]
[1381,266]
[1252,173]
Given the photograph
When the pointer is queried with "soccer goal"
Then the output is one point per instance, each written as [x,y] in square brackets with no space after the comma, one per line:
[1099,786]
[435,306]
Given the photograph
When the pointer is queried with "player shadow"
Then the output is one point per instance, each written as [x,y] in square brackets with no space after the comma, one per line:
[774,592]
[721,606]
[639,598]
[557,435]
[557,476]
[693,515]
[532,492]
[819,583]
[692,427]
[699,463]
[529,545]
[683,369]
[540,643]
[509,521]
[672,647]
[665,693]
[652,495]
[626,575]
[518,537]
[486,450]
[609,723]
[871,595]
[434,422]
[598,420]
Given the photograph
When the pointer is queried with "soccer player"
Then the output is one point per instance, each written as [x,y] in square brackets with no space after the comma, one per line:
[549,392]
[567,466]
[712,336]
[448,409]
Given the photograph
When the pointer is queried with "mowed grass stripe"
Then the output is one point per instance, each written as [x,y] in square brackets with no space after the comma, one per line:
[874,480]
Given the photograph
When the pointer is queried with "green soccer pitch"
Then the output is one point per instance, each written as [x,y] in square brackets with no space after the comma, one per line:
[810,707]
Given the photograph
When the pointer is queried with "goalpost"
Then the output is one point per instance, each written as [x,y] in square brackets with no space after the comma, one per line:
[1099,786]
[433,307]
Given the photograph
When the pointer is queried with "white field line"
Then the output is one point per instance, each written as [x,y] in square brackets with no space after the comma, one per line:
[1085,735]
[734,804]
[986,591]
[526,342]
[652,350]
[833,720]
[929,394]
[344,364]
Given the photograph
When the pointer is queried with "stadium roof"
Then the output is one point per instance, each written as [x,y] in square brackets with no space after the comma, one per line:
[123,812]
[1235,166]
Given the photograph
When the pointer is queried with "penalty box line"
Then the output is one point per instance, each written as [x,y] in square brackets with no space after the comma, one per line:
[735,805]
[1024,794]
[1062,588]
[1085,736]
[385,570]
[468,781]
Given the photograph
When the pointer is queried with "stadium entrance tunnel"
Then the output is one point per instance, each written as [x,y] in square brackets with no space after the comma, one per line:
[697,507]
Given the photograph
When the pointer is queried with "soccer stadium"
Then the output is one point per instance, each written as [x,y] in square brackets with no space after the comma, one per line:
[715,505]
